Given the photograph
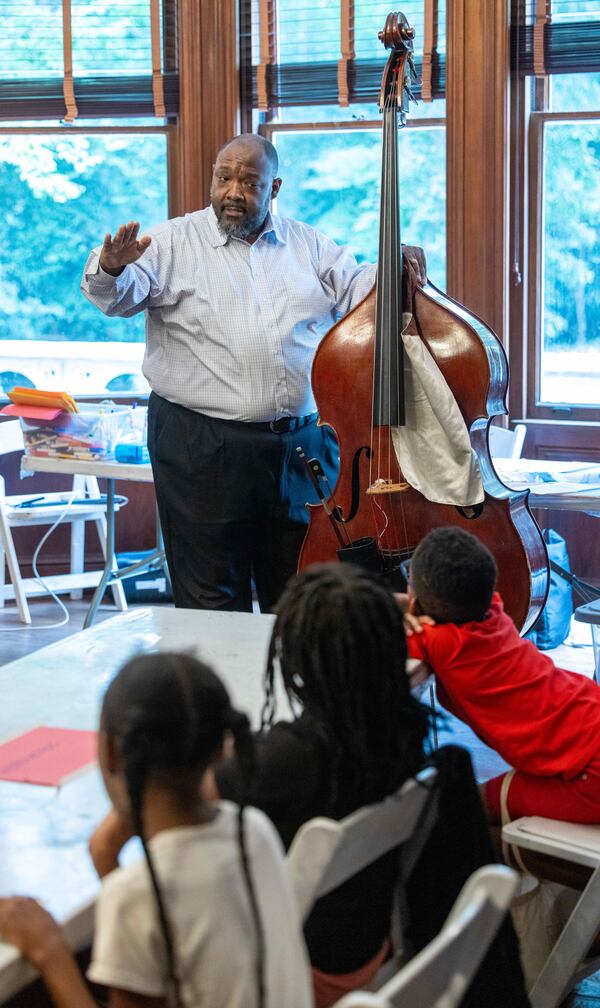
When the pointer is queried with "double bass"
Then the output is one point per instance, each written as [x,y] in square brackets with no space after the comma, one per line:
[374,516]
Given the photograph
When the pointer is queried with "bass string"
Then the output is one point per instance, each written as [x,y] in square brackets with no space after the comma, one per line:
[390,271]
[379,309]
[384,307]
[381,318]
[401,544]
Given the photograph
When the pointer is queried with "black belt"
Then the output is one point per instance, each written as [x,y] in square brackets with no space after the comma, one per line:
[285,425]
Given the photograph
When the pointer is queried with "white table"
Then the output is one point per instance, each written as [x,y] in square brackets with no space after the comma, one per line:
[110,471]
[569,486]
[44,831]
[553,484]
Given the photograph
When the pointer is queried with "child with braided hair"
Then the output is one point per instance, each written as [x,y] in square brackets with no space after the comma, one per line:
[212,882]
[339,649]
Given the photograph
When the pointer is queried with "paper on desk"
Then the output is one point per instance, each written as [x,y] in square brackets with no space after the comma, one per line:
[566,489]
[531,471]
[587,497]
[46,755]
[32,412]
[43,397]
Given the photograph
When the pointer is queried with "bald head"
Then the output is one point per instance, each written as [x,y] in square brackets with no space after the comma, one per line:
[243,184]
[257,143]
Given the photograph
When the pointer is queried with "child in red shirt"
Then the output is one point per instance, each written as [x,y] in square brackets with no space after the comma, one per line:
[543,720]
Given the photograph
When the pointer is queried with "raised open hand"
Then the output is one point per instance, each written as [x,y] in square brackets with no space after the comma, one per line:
[123,249]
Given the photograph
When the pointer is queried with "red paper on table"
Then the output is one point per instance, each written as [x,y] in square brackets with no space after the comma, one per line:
[47,755]
[31,412]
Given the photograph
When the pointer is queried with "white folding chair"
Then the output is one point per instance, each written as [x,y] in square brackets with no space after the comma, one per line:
[439,975]
[507,442]
[325,852]
[13,516]
[580,845]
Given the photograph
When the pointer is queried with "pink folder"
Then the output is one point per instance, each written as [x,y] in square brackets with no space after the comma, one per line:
[31,412]
[47,755]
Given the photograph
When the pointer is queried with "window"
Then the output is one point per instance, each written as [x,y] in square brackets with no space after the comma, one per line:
[564,316]
[59,195]
[312,73]
[63,187]
[332,181]
[569,349]
[563,327]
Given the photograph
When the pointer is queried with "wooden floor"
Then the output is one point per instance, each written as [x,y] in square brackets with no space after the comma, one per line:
[18,639]
[21,640]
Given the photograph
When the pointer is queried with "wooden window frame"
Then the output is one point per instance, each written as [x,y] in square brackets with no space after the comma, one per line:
[208,65]
[269,84]
[268,129]
[167,130]
[97,93]
[533,315]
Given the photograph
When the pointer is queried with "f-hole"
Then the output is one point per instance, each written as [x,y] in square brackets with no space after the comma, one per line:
[355,501]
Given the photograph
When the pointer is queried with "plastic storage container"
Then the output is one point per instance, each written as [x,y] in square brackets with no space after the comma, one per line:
[149,586]
[90,434]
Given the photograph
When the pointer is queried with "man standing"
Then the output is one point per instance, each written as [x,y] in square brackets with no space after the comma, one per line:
[236,301]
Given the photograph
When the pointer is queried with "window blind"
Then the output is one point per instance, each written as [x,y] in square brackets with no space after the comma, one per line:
[64,59]
[555,36]
[325,52]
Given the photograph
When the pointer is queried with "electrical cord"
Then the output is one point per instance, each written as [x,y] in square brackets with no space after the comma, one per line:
[73,499]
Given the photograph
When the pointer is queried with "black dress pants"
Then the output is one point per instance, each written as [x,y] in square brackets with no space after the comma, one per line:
[231,500]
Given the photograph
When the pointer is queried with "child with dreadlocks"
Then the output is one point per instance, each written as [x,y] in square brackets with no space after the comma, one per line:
[212,884]
[339,647]
[543,720]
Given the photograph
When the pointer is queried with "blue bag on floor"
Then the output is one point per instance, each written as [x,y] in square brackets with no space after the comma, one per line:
[552,627]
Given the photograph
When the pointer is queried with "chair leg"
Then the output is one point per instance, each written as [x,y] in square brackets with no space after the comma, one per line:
[2,573]
[78,537]
[557,976]
[12,563]
[77,551]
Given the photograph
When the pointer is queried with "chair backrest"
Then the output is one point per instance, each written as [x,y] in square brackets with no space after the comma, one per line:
[11,437]
[324,853]
[506,442]
[439,975]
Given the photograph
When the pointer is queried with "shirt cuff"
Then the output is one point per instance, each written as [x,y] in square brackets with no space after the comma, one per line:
[99,278]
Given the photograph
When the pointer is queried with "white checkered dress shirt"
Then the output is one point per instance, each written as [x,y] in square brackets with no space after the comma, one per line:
[232,328]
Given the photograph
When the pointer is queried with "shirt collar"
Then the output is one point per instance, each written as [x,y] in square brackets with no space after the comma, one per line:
[273,227]
[272,231]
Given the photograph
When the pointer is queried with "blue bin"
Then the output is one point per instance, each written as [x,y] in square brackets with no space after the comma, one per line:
[146,586]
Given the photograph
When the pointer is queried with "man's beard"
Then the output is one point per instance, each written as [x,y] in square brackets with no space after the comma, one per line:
[244,227]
